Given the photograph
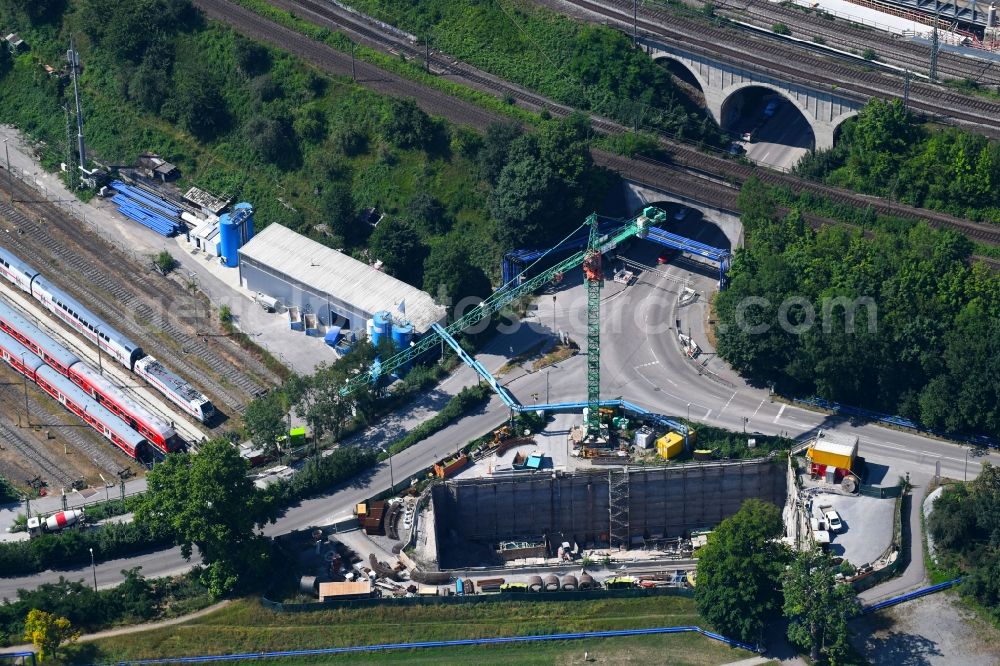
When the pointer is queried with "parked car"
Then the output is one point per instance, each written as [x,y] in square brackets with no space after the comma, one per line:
[771,108]
[833,520]
[748,136]
[666,256]
[736,148]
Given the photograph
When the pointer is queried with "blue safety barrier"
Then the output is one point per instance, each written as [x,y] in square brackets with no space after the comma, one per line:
[910,596]
[869,415]
[622,633]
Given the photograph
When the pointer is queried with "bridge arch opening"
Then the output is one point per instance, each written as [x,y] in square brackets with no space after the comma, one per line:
[770,126]
[685,78]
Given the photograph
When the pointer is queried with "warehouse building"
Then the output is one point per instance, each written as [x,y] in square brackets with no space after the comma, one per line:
[339,290]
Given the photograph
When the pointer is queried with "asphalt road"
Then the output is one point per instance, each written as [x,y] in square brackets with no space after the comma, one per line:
[641,360]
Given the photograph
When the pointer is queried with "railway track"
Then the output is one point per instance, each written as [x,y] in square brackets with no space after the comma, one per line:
[847,36]
[133,293]
[705,178]
[790,64]
[40,460]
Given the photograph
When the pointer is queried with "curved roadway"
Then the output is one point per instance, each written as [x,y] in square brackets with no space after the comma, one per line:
[641,361]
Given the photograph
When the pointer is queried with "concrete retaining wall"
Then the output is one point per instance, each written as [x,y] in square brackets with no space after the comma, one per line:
[663,502]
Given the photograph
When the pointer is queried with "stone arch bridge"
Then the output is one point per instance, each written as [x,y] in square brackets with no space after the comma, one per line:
[824,110]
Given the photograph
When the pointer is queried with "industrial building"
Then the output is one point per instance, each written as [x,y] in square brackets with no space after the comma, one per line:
[337,289]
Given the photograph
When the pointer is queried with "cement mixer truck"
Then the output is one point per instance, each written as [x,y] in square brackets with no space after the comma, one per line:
[55,522]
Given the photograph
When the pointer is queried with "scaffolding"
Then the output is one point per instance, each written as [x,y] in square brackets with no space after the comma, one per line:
[618,503]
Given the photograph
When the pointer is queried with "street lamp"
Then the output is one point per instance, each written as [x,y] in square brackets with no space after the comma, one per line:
[966,465]
[93,567]
[687,429]
[392,479]
[745,420]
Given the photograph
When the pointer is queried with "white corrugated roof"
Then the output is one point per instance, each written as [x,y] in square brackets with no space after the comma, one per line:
[341,276]
[832,442]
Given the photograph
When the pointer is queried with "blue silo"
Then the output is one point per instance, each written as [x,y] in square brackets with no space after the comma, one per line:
[235,229]
[402,334]
[381,327]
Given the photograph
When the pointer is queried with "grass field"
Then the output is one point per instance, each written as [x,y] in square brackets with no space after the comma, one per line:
[246,626]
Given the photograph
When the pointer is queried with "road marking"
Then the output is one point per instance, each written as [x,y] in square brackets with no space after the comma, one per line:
[705,417]
[758,408]
[780,412]
[727,403]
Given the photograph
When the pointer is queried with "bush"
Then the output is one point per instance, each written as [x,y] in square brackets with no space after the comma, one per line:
[780,29]
[869,54]
[459,406]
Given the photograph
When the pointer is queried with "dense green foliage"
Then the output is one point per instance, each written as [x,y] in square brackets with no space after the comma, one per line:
[922,337]
[740,569]
[818,607]
[243,120]
[72,547]
[593,68]
[885,151]
[135,600]
[8,493]
[965,525]
[208,500]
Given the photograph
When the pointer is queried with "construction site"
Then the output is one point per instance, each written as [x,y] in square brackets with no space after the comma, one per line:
[616,508]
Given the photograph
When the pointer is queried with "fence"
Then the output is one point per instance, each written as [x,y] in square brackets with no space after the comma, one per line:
[897,421]
[880,492]
[568,595]
[871,579]
[476,642]
[910,596]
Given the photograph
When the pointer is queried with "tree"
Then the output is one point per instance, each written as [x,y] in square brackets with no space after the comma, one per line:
[47,632]
[739,571]
[527,203]
[493,154]
[251,57]
[450,277]
[337,207]
[273,141]
[198,104]
[165,262]
[265,420]
[207,500]
[406,125]
[397,244]
[817,606]
[427,214]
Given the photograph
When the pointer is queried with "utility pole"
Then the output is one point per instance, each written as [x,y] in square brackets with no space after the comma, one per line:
[354,71]
[635,22]
[906,90]
[74,65]
[24,380]
[932,74]
[10,178]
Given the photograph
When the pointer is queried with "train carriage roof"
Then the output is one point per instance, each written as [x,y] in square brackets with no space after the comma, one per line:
[55,350]
[17,350]
[91,318]
[91,406]
[15,262]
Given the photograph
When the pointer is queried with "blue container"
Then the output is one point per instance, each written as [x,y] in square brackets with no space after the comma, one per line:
[235,229]
[402,334]
[381,327]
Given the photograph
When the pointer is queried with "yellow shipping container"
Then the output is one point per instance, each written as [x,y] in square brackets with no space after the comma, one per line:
[670,445]
[829,458]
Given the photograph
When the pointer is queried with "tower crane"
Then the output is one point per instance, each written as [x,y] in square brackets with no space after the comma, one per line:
[591,261]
